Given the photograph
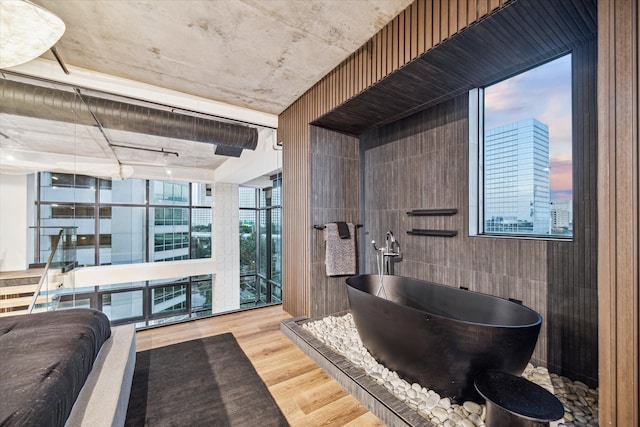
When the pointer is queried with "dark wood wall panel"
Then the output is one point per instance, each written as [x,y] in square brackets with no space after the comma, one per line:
[335,196]
[572,267]
[619,211]
[422,163]
[384,53]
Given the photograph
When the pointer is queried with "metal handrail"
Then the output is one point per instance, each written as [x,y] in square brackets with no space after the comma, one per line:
[46,271]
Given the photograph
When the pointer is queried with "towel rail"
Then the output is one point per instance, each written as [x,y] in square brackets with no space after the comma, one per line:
[322,227]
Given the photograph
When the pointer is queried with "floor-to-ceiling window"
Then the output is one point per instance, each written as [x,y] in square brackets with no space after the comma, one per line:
[126,222]
[150,302]
[260,244]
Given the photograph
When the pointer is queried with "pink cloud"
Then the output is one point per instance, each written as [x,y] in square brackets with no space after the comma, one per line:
[561,175]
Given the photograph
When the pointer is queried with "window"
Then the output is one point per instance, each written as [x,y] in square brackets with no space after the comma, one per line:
[72,181]
[521,154]
[170,241]
[123,305]
[127,191]
[260,245]
[170,216]
[127,226]
[169,193]
[169,298]
[115,224]
[150,302]
[201,233]
[201,295]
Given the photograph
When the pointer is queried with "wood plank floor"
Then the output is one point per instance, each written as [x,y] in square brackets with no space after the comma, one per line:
[306,395]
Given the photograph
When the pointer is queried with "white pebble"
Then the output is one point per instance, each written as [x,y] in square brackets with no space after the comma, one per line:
[475,418]
[581,385]
[440,413]
[445,403]
[455,417]
[424,412]
[472,407]
[339,332]
[432,401]
[460,411]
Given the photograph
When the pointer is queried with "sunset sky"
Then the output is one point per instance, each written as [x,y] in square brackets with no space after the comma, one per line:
[543,93]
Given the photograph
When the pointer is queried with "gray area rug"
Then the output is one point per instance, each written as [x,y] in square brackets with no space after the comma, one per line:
[204,382]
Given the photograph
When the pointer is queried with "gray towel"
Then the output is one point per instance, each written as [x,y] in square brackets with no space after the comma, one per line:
[340,254]
[343,230]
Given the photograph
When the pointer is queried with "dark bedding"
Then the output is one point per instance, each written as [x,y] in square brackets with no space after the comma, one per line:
[44,361]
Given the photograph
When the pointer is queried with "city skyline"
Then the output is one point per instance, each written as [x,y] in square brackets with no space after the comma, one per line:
[543,93]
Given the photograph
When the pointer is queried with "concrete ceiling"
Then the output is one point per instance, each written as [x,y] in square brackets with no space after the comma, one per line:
[254,54]
[259,54]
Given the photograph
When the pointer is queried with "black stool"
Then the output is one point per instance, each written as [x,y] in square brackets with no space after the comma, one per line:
[515,401]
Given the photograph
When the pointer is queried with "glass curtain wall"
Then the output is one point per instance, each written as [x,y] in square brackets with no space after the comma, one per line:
[260,244]
[136,221]
[148,303]
[116,225]
[125,222]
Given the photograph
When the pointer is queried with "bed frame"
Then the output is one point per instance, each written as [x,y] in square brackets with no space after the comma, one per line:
[104,398]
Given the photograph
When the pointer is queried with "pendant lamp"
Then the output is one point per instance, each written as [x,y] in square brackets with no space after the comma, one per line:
[26,31]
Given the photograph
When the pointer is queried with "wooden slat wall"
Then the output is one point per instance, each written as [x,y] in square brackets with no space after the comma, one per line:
[434,21]
[296,265]
[618,229]
[619,211]
[525,34]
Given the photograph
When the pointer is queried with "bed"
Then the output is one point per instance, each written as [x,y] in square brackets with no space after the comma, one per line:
[66,367]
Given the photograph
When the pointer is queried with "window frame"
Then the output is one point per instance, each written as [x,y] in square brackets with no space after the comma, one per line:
[476,167]
[266,204]
[100,208]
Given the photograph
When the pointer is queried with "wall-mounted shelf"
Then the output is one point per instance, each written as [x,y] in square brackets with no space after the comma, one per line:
[432,212]
[322,227]
[437,233]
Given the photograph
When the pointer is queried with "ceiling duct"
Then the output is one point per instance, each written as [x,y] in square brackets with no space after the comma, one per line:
[66,106]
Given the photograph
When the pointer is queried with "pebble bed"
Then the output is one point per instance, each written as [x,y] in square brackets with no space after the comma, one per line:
[340,333]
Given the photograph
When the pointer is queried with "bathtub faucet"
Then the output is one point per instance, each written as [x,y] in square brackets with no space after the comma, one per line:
[390,252]
[391,247]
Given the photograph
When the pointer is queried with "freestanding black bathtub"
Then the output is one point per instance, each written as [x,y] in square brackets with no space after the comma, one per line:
[439,336]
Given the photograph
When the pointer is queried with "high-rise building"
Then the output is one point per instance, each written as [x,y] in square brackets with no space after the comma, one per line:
[561,215]
[516,178]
